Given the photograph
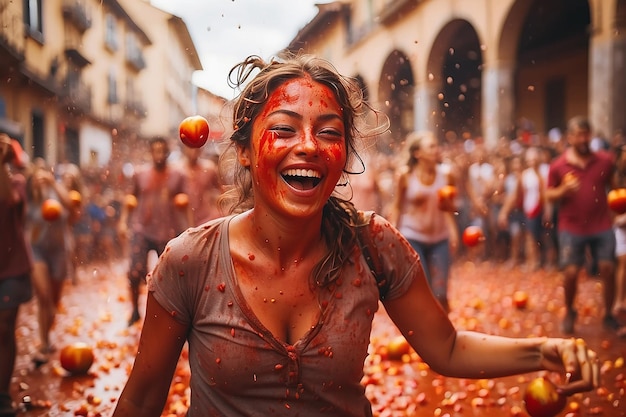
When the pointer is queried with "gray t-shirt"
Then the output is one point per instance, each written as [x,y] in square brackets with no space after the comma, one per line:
[238,367]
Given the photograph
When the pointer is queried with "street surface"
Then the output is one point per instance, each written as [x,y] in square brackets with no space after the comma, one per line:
[95,310]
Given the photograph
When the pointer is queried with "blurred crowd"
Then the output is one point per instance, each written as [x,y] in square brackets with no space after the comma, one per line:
[501,189]
[484,178]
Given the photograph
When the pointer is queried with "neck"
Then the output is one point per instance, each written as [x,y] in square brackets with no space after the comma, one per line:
[285,241]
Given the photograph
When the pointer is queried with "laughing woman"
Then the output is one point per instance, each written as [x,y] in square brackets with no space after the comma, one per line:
[276,300]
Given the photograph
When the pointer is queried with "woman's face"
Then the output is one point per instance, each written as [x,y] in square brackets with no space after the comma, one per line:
[429,150]
[297,150]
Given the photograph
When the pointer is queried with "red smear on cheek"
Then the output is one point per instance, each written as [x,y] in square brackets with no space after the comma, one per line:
[337,151]
[268,142]
[267,146]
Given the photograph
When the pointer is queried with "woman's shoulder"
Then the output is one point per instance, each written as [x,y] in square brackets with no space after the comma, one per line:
[376,223]
[197,237]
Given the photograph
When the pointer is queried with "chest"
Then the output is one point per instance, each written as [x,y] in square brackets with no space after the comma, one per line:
[151,183]
[283,299]
[420,189]
[271,333]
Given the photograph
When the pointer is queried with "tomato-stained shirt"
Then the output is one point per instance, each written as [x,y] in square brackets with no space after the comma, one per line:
[238,367]
[421,218]
[156,216]
[586,211]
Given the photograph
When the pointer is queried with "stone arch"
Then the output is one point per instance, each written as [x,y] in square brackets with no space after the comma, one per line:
[548,45]
[395,93]
[454,70]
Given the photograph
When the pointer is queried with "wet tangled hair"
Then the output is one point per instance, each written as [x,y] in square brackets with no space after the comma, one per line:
[338,215]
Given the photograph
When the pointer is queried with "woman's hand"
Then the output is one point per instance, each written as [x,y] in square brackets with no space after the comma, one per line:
[576,360]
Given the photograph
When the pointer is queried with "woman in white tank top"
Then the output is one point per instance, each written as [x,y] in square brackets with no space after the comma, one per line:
[419,215]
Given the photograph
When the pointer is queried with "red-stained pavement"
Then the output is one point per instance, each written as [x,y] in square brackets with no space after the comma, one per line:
[95,310]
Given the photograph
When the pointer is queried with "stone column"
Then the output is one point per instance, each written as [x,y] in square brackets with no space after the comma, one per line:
[619,82]
[424,106]
[497,101]
[607,77]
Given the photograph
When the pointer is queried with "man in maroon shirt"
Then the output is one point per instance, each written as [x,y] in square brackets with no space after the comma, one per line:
[578,182]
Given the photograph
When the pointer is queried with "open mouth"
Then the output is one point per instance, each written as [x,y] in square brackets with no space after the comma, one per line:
[302,179]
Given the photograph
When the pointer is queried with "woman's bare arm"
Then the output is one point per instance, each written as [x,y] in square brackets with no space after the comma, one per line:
[162,339]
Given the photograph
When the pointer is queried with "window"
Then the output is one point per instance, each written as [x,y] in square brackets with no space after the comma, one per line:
[110,32]
[112,92]
[72,146]
[32,18]
[39,143]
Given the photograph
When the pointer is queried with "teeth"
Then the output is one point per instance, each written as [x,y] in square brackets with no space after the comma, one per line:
[302,173]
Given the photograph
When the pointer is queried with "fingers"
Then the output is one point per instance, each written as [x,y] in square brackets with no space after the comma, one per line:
[581,367]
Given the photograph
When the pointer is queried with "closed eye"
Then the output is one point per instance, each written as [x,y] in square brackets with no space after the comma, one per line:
[283,131]
[331,133]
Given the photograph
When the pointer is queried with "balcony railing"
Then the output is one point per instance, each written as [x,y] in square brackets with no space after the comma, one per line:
[74,51]
[75,11]
[75,96]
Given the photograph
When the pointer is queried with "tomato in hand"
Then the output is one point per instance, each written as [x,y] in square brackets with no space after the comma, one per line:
[446,196]
[617,200]
[75,198]
[541,398]
[194,131]
[130,201]
[51,209]
[181,200]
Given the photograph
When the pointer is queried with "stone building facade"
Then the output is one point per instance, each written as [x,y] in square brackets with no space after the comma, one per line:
[85,81]
[479,67]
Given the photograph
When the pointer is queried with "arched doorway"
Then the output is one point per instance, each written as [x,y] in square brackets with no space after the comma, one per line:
[551,81]
[395,93]
[455,67]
